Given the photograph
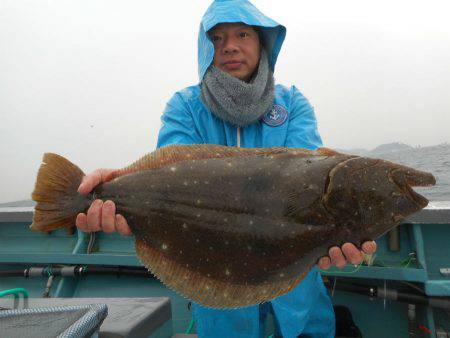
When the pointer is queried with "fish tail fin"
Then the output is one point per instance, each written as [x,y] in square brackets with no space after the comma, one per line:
[58,201]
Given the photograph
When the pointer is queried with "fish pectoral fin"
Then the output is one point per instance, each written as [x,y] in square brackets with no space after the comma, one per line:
[177,153]
[297,202]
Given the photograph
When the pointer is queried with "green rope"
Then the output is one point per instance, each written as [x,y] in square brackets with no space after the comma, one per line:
[358,267]
[16,292]
[403,264]
[378,262]
[191,326]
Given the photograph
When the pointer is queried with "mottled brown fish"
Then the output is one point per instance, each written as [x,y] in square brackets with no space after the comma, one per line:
[230,227]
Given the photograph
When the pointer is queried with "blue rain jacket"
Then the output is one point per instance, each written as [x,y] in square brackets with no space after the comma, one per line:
[307,309]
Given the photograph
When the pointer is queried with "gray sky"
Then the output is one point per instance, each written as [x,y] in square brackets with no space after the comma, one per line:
[89,79]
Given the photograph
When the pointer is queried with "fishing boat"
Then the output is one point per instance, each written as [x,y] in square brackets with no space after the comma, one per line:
[401,291]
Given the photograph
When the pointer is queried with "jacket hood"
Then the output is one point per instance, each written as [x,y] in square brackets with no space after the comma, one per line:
[221,11]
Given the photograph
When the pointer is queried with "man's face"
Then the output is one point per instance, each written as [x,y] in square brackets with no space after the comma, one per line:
[236,49]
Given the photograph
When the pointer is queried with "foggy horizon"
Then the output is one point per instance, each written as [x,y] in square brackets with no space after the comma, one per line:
[89,80]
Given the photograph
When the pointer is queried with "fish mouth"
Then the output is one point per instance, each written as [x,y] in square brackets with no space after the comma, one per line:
[406,178]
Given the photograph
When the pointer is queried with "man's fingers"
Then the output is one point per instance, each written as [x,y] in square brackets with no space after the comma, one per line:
[108,174]
[90,181]
[352,254]
[94,216]
[108,218]
[93,179]
[81,222]
[337,258]
[122,225]
[324,263]
[369,247]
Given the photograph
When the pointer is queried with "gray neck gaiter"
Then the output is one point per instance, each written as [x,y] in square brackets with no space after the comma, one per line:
[237,101]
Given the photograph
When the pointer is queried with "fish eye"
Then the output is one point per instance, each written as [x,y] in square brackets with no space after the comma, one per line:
[243,34]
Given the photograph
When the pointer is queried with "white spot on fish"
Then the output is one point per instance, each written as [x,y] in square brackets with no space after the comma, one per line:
[251,222]
[227,272]
[184,225]
[147,202]
[199,215]
[173,169]
[281,274]
[197,240]
[164,246]
[199,201]
[185,183]
[211,248]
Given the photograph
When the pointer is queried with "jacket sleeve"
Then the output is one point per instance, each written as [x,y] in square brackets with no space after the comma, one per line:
[178,126]
[302,130]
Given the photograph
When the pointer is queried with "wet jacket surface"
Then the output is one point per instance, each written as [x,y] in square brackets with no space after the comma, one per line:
[291,123]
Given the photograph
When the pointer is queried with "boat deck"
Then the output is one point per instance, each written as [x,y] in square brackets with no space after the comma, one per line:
[419,254]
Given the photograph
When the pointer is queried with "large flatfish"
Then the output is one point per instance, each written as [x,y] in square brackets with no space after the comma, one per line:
[230,227]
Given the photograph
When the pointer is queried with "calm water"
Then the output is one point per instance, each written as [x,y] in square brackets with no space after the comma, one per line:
[435,160]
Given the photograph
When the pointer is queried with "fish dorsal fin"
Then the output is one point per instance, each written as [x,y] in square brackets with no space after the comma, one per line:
[177,153]
[327,152]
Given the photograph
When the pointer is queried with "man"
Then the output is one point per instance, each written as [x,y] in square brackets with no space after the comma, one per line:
[237,103]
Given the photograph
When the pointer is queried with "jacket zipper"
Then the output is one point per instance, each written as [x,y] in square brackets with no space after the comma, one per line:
[238,136]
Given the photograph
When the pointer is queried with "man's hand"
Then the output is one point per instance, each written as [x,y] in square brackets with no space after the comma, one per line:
[101,216]
[339,257]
